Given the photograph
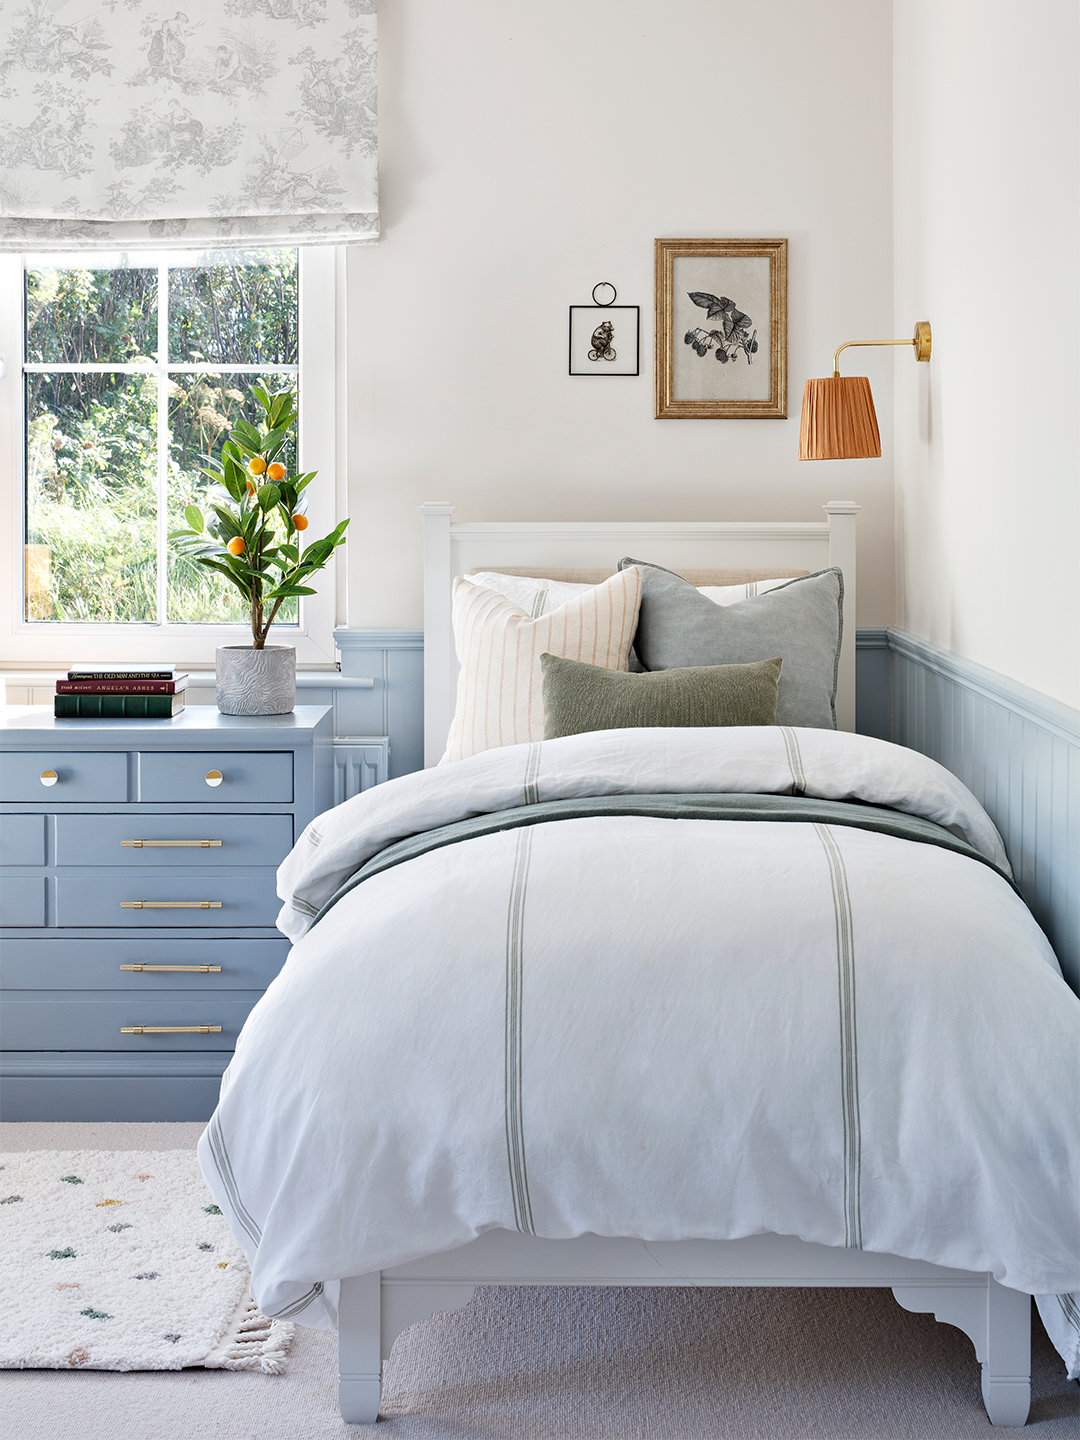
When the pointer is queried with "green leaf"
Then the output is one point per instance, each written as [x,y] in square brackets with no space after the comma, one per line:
[247,432]
[227,521]
[193,516]
[269,496]
[240,584]
[285,590]
[262,397]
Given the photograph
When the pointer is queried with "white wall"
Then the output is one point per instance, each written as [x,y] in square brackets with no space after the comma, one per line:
[988,480]
[530,150]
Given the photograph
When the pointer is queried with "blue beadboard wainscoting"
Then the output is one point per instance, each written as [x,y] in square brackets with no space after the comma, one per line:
[394,660]
[1019,753]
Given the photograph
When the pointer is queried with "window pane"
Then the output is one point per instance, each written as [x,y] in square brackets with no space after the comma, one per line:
[202,408]
[91,497]
[78,316]
[239,310]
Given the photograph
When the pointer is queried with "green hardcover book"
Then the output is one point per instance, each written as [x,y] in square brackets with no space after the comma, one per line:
[117,707]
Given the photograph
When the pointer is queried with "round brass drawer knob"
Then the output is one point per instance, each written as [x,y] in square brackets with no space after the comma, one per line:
[49,777]
[214,777]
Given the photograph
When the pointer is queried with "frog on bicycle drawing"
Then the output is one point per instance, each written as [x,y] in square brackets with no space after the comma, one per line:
[732,339]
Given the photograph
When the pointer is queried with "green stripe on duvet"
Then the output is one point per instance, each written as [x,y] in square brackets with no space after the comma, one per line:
[849,1039]
[515,943]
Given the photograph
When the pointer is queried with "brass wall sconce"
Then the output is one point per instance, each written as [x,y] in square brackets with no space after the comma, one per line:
[838,419]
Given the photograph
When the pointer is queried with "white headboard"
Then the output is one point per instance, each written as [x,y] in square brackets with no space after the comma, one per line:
[451,550]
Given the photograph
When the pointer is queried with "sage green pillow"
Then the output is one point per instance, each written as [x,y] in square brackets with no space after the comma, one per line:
[580,697]
[802,621]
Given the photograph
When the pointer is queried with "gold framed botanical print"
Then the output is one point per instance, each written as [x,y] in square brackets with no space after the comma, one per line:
[721,329]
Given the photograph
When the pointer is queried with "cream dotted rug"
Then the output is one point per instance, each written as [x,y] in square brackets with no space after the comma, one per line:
[120,1260]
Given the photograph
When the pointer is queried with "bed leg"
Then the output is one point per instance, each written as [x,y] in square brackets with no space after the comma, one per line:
[359,1348]
[997,1320]
[1006,1371]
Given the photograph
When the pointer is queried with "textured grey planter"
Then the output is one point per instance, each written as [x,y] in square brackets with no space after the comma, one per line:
[256,682]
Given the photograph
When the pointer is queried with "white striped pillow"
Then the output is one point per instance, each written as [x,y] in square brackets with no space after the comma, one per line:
[500,694]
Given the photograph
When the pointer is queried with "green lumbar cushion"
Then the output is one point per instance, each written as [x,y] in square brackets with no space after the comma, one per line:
[580,697]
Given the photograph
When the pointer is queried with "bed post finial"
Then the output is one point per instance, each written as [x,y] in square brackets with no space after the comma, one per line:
[437,620]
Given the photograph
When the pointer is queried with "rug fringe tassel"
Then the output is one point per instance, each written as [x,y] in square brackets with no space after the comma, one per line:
[252,1341]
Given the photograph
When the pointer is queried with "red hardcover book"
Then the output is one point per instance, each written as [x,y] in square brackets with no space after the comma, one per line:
[121,687]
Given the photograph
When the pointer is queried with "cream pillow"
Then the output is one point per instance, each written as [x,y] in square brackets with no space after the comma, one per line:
[732,594]
[500,687]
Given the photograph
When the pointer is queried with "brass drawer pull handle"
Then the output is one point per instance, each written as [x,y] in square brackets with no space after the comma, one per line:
[176,969]
[49,777]
[170,1029]
[214,777]
[170,904]
[169,844]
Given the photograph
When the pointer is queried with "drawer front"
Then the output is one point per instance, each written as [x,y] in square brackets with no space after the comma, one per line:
[257,777]
[56,964]
[22,839]
[172,840]
[192,900]
[33,1021]
[87,778]
[22,900]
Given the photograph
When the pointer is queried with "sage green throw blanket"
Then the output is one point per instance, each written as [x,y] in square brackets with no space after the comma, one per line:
[786,808]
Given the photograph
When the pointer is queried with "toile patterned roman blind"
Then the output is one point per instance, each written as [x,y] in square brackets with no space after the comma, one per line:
[133,124]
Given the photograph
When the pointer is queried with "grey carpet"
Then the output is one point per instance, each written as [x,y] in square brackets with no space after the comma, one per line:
[547,1364]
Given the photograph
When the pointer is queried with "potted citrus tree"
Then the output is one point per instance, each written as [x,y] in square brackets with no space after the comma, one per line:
[253,536]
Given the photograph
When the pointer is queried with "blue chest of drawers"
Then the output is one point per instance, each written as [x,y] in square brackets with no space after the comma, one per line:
[137,901]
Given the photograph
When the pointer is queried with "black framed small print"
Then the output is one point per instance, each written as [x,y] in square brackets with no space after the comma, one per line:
[604,339]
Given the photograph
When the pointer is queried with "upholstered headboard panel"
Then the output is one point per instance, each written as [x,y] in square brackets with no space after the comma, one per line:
[597,577]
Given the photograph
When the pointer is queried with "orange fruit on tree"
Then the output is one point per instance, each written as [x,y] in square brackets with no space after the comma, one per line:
[300,522]
[275,471]
[236,546]
[256,465]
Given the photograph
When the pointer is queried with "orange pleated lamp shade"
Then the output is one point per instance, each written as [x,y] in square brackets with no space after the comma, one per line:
[838,420]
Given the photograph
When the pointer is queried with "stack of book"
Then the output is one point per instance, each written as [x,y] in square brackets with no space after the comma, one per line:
[120,692]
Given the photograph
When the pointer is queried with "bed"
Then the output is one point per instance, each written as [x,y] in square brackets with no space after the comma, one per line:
[484,1062]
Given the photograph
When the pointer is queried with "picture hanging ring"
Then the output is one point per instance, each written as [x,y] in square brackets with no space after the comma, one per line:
[604,285]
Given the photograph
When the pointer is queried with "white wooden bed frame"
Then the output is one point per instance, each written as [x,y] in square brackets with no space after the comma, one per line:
[374,1309]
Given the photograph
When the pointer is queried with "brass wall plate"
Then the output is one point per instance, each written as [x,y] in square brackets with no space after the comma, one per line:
[921,340]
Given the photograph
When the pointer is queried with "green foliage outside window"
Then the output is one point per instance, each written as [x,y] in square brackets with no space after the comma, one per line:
[92,482]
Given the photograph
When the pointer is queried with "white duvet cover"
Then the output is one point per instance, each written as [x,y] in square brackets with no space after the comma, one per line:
[652,1027]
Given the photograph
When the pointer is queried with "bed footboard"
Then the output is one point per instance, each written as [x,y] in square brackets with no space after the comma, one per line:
[374,1309]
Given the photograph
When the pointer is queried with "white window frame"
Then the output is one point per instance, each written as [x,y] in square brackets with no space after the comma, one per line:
[47,645]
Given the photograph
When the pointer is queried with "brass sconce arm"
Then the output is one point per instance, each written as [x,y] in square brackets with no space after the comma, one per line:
[920,341]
